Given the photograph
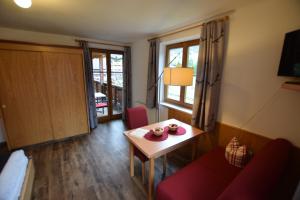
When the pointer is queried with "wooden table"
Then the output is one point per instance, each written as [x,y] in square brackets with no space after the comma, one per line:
[156,149]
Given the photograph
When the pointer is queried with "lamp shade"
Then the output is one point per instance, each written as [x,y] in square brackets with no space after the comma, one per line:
[178,76]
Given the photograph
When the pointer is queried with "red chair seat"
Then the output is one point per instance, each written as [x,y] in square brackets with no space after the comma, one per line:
[101,105]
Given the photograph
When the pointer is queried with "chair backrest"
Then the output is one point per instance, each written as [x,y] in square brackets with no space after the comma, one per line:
[136,117]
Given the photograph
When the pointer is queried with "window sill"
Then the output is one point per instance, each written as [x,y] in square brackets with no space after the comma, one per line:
[176,107]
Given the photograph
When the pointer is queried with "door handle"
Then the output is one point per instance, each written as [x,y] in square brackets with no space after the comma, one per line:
[3,106]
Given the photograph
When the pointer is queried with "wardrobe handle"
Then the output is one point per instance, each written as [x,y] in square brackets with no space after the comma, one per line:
[3,106]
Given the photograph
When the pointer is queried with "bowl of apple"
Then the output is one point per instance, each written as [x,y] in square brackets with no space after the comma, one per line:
[158,131]
[173,127]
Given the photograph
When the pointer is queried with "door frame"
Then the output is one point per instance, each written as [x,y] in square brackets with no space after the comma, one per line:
[110,115]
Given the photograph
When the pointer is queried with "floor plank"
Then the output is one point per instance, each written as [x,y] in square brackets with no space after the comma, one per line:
[94,166]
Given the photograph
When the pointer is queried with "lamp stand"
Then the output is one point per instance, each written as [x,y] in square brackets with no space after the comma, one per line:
[158,100]
[157,85]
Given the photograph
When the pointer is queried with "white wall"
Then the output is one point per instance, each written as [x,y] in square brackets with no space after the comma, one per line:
[45,38]
[251,97]
[48,38]
[140,53]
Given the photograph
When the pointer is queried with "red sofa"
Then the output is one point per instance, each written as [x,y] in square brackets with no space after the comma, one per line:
[212,177]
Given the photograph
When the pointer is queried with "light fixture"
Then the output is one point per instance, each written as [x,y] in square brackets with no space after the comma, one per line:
[178,76]
[23,3]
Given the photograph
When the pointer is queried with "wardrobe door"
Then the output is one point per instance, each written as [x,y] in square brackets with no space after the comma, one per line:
[66,92]
[23,98]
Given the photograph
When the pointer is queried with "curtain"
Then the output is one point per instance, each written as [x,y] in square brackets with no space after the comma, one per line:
[209,72]
[127,89]
[151,99]
[89,84]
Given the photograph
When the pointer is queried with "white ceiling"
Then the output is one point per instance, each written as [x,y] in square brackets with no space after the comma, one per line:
[116,20]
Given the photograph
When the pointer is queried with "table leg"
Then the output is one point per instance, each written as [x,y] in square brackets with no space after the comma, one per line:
[131,157]
[151,179]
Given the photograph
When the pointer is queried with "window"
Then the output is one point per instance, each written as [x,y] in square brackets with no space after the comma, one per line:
[184,54]
[117,70]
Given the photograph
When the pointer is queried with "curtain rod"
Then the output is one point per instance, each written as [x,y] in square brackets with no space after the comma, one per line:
[102,43]
[217,17]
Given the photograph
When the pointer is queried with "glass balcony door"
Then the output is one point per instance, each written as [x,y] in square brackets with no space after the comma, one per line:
[108,83]
[116,61]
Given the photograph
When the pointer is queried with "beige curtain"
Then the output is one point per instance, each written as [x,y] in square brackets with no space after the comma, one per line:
[209,73]
[89,84]
[127,77]
[151,99]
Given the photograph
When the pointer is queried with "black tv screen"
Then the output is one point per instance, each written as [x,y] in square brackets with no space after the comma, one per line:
[290,56]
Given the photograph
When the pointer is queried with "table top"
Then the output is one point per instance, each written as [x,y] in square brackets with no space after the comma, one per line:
[155,149]
[99,95]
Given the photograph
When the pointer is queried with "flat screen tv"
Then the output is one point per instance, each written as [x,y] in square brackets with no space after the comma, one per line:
[290,56]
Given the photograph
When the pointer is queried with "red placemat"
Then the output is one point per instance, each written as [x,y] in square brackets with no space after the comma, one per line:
[150,136]
[180,131]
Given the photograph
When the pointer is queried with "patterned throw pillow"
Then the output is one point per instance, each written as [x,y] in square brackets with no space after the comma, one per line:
[235,154]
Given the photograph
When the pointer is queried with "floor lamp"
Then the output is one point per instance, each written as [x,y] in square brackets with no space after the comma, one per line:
[177,76]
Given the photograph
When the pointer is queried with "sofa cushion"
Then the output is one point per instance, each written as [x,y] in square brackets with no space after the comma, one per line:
[236,154]
[259,178]
[204,178]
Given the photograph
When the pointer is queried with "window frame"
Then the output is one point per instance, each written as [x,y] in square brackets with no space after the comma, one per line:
[184,45]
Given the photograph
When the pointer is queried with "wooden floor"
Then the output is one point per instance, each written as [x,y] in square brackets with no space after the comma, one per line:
[94,166]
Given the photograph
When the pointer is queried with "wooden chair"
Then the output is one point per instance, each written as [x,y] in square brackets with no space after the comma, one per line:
[136,118]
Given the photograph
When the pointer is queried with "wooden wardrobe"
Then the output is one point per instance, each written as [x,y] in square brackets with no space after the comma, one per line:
[42,93]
